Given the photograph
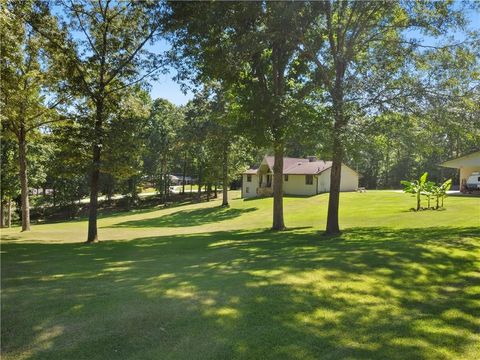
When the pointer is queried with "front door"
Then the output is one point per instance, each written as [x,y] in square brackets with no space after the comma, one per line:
[269,180]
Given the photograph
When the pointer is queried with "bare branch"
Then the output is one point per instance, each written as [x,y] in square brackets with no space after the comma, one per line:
[132,55]
[44,123]
[50,107]
[74,9]
[133,82]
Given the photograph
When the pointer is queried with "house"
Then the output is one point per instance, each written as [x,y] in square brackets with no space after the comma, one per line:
[467,164]
[178,180]
[300,177]
[175,180]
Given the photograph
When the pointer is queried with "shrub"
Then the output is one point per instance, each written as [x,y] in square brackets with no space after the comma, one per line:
[428,189]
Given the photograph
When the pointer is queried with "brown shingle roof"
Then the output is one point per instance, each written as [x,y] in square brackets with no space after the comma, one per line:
[287,162]
[308,168]
[296,166]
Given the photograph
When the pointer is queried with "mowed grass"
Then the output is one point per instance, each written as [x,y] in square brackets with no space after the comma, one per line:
[202,282]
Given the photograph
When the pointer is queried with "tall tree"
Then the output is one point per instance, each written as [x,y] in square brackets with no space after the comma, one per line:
[105,52]
[195,132]
[246,46]
[9,186]
[124,148]
[27,72]
[361,58]
[163,131]
[231,149]
[67,168]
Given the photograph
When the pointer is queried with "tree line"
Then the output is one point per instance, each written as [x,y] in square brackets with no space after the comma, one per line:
[388,88]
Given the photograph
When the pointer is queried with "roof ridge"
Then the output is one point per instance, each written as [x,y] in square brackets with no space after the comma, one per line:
[286,157]
[291,167]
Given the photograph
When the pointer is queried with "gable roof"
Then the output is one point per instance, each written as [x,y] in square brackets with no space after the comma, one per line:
[295,166]
[287,162]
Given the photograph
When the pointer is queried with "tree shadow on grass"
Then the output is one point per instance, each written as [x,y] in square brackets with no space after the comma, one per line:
[187,218]
[371,293]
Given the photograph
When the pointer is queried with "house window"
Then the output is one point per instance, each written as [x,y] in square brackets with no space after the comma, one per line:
[285,177]
[247,190]
[309,179]
[249,178]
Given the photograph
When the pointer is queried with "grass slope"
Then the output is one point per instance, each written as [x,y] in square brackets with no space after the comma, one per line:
[201,282]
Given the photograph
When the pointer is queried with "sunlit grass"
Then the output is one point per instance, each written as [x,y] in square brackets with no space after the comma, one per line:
[197,282]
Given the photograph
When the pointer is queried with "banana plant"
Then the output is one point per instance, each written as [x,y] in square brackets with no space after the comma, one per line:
[437,193]
[444,188]
[415,187]
[429,188]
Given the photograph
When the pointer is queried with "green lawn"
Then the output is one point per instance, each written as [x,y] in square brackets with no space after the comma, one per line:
[201,282]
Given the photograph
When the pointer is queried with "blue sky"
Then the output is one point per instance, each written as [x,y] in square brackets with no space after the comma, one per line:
[165,87]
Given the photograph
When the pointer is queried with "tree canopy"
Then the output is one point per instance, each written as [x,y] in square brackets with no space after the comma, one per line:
[389,88]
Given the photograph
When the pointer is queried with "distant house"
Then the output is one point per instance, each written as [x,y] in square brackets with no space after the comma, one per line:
[300,177]
[467,165]
[175,180]
[178,180]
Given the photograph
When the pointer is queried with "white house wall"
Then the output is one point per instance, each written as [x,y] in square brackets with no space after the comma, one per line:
[252,187]
[348,181]
[296,183]
[296,186]
[324,181]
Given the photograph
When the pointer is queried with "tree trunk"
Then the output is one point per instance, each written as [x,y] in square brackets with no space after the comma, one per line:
[209,189]
[334,196]
[9,213]
[2,215]
[2,209]
[72,209]
[22,144]
[387,166]
[184,174]
[95,176]
[199,193]
[162,180]
[160,185]
[93,206]
[167,186]
[225,176]
[166,179]
[278,86]
[278,222]
[336,169]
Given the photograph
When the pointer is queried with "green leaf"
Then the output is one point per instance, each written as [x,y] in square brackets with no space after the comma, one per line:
[423,178]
